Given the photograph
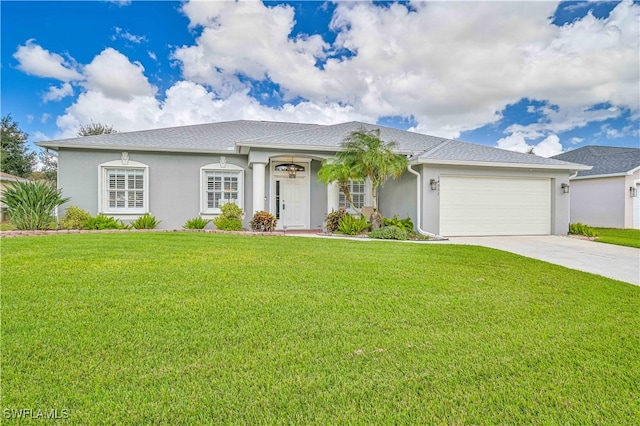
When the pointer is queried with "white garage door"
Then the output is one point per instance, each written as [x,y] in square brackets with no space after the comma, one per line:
[472,205]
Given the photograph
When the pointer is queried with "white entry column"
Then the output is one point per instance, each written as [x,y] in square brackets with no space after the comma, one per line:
[333,197]
[258,186]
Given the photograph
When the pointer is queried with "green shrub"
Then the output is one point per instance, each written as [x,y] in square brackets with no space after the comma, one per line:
[196,223]
[333,219]
[74,218]
[101,222]
[405,224]
[230,219]
[390,232]
[146,221]
[224,224]
[582,229]
[231,211]
[263,222]
[353,225]
[31,204]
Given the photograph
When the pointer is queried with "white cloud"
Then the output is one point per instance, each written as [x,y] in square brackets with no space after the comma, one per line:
[112,74]
[451,66]
[120,3]
[44,118]
[35,60]
[252,39]
[39,136]
[152,55]
[57,93]
[126,35]
[190,103]
[30,118]
[576,141]
[613,133]
[548,147]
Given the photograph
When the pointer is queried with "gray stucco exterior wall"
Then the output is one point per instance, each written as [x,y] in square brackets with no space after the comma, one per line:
[599,202]
[175,185]
[174,181]
[398,197]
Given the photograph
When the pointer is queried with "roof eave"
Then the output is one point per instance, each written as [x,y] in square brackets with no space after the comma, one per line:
[606,175]
[572,167]
[244,147]
[135,148]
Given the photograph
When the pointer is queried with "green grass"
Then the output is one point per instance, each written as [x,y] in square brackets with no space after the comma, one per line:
[183,328]
[6,227]
[620,237]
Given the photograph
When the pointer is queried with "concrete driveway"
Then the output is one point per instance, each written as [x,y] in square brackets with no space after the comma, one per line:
[617,262]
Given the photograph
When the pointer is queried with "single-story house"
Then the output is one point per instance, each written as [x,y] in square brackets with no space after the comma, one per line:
[451,188]
[608,194]
[5,180]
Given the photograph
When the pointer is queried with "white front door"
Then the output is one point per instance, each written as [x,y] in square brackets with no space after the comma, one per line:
[292,195]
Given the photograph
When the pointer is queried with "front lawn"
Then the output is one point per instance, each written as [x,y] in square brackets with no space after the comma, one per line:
[190,328]
[621,237]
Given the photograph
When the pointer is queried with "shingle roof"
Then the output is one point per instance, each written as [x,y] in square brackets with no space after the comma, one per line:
[606,160]
[212,137]
[462,151]
[332,136]
[230,135]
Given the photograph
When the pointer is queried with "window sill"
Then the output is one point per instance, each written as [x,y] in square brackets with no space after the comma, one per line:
[123,215]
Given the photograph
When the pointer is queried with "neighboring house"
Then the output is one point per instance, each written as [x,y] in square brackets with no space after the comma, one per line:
[608,194]
[453,188]
[5,180]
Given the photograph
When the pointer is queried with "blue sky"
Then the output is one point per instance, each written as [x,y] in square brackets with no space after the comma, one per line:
[552,76]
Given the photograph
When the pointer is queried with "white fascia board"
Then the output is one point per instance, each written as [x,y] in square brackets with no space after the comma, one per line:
[632,171]
[243,147]
[610,175]
[135,148]
[573,167]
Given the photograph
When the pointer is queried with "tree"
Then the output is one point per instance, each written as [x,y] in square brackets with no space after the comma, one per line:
[16,158]
[95,129]
[365,156]
[48,167]
[341,173]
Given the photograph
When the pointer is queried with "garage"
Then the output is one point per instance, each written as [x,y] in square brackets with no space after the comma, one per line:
[486,205]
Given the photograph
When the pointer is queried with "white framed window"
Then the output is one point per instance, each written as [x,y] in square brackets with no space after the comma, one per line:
[221,184]
[360,194]
[124,187]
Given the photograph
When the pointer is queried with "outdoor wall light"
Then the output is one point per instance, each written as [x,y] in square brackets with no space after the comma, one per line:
[292,171]
[633,191]
[565,188]
[434,184]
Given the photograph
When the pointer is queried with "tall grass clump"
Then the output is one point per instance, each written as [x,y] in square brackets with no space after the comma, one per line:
[582,229]
[146,221]
[196,223]
[31,204]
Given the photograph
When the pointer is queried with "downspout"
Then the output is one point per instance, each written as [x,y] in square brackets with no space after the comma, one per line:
[418,207]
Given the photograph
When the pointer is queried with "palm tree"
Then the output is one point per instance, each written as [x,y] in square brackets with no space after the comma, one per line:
[375,159]
[365,156]
[341,173]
